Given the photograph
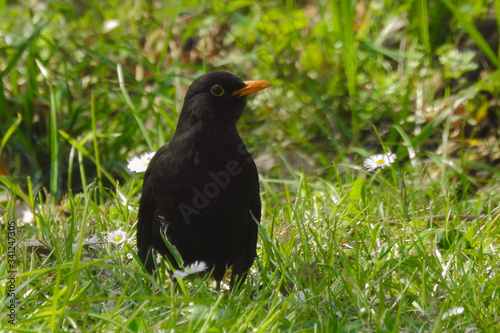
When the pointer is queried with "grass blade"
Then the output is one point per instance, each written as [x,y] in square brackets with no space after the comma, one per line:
[132,107]
[54,143]
[10,131]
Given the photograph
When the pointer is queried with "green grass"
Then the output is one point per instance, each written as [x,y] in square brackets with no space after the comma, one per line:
[331,258]
[340,250]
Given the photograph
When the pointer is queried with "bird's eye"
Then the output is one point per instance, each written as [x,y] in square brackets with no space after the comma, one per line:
[217,90]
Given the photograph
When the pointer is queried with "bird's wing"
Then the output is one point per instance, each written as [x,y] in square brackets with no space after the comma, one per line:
[246,258]
[254,219]
[146,215]
[255,205]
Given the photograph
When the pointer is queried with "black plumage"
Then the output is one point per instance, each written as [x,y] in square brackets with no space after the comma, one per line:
[201,190]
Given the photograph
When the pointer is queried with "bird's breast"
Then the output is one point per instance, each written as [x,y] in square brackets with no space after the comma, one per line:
[201,185]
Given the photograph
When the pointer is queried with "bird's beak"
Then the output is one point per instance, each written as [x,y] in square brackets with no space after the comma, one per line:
[251,87]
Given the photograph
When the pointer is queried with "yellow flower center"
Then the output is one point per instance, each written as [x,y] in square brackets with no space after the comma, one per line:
[379,162]
[117,239]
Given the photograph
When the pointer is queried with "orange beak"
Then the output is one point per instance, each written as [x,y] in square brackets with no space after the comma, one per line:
[251,87]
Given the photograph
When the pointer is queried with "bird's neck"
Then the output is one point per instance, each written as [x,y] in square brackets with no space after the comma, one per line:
[209,132]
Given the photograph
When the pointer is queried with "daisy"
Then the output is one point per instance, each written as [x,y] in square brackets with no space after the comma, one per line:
[196,267]
[88,241]
[140,163]
[453,312]
[379,161]
[116,237]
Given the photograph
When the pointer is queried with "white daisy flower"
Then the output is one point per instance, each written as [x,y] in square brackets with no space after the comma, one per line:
[140,163]
[88,241]
[179,274]
[92,240]
[453,312]
[116,237]
[379,161]
[196,267]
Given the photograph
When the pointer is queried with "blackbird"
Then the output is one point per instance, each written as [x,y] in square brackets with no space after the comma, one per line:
[201,190]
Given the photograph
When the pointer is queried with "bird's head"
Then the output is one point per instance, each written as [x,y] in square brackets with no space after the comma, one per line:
[218,97]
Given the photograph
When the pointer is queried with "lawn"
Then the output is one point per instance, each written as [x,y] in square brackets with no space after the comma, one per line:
[412,247]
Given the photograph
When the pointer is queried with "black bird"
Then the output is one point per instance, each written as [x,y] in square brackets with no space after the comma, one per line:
[201,190]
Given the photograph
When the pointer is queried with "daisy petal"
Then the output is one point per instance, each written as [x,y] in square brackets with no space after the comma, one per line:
[381,161]
[196,267]
[140,163]
[116,237]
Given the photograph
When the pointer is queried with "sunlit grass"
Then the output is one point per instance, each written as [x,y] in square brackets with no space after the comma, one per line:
[349,257]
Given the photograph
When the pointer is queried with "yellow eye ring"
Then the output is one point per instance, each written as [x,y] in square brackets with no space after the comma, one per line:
[217,90]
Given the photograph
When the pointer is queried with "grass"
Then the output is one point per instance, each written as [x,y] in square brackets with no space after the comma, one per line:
[361,256]
[410,248]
